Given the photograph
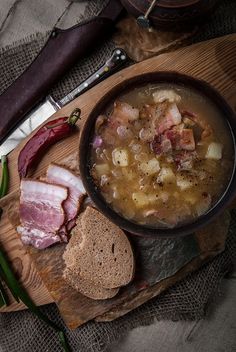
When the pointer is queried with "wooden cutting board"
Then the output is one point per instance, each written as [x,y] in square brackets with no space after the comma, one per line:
[213,61]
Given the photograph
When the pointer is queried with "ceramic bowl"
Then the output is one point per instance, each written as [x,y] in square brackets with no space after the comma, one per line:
[88,133]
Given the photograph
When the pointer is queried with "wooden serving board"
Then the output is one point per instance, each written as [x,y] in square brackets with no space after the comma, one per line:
[213,61]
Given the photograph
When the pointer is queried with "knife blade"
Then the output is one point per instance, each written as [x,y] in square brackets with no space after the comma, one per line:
[62,50]
[49,106]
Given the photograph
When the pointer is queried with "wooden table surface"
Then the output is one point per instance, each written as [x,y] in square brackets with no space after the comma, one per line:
[166,337]
[213,61]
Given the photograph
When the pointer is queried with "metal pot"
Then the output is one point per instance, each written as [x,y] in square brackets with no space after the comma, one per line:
[167,14]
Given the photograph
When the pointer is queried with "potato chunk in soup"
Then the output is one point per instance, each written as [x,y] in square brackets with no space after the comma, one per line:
[161,155]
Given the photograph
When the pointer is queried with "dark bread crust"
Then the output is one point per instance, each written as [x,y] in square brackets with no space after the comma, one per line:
[88,288]
[99,251]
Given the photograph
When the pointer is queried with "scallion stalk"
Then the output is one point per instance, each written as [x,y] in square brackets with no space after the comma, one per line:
[18,291]
[3,296]
[1,300]
[6,280]
[5,177]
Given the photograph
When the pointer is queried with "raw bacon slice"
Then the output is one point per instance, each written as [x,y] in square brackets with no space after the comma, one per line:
[41,212]
[37,238]
[62,176]
[70,224]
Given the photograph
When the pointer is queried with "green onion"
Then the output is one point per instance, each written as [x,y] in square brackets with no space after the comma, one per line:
[6,280]
[19,292]
[63,341]
[5,177]
[3,296]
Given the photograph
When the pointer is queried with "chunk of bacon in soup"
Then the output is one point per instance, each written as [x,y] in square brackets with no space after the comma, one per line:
[158,158]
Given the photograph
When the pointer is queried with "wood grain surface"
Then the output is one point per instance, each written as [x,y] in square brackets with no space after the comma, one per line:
[77,309]
[213,61]
[211,240]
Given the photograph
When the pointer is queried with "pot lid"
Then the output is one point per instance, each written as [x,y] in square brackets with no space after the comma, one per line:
[176,3]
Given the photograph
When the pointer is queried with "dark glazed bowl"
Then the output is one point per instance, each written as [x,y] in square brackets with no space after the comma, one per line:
[85,146]
[172,13]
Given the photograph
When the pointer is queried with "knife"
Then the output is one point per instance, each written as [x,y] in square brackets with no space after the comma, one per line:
[49,106]
[60,53]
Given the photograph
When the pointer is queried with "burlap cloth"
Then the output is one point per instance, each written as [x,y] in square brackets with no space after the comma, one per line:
[187,300]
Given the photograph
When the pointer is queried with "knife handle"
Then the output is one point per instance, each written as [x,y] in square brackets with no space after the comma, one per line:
[62,50]
[117,59]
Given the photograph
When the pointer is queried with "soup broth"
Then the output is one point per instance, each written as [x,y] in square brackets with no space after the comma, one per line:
[161,155]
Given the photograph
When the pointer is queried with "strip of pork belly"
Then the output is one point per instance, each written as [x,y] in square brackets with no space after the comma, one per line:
[60,175]
[37,238]
[41,212]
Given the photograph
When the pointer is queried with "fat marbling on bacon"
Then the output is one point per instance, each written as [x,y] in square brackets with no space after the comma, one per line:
[41,212]
[62,176]
[48,208]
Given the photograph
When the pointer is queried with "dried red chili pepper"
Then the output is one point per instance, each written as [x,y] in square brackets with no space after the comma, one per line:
[46,136]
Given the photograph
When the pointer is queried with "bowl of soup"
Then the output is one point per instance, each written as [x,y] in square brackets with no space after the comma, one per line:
[157,154]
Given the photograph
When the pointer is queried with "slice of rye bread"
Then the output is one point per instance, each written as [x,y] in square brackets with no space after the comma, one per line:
[75,240]
[85,287]
[103,254]
[88,288]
